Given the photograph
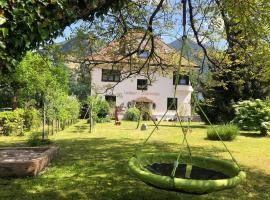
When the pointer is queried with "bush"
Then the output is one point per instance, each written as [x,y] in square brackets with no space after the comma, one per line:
[103,120]
[35,139]
[100,109]
[31,118]
[253,115]
[226,132]
[103,108]
[132,114]
[12,121]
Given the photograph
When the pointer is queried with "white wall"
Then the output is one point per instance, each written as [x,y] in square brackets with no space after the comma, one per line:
[158,92]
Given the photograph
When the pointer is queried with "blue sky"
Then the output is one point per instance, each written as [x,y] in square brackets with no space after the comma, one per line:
[68,31]
[175,33]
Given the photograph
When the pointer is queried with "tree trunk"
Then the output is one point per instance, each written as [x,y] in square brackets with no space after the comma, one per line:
[48,127]
[59,125]
[90,120]
[44,122]
[52,131]
[15,100]
[139,121]
[90,108]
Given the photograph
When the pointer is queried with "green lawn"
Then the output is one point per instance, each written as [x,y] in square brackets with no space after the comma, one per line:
[94,166]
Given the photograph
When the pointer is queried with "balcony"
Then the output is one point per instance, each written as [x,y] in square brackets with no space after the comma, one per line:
[184,88]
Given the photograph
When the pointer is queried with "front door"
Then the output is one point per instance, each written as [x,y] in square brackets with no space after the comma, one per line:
[145,108]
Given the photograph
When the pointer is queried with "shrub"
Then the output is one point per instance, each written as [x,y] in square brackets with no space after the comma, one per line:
[132,114]
[12,121]
[31,118]
[103,108]
[226,132]
[35,139]
[253,115]
[103,120]
[100,109]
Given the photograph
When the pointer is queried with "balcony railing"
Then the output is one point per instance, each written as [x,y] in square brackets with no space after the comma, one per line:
[184,88]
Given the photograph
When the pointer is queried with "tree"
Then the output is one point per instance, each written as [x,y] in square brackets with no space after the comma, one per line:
[241,71]
[24,25]
[32,77]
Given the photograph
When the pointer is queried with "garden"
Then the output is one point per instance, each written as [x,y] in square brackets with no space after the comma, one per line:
[133,100]
[95,166]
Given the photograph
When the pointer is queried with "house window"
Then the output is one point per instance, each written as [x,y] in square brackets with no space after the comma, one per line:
[141,84]
[110,98]
[183,79]
[109,75]
[172,103]
[143,53]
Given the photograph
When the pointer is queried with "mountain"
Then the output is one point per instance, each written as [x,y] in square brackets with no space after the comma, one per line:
[194,49]
[71,44]
[177,45]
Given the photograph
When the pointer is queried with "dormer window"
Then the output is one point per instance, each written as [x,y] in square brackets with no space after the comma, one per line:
[183,79]
[143,54]
[141,84]
[109,75]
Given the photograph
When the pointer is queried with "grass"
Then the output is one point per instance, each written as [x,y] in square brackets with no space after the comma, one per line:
[226,132]
[94,166]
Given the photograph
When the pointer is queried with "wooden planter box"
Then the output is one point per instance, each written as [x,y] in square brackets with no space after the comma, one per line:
[25,161]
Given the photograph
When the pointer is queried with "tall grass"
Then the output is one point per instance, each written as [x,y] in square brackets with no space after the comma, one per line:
[227,132]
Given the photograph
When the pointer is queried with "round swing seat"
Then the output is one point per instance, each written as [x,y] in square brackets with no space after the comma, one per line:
[202,175]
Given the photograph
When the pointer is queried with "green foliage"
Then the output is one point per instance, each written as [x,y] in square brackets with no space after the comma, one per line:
[103,119]
[31,118]
[103,108]
[229,84]
[33,78]
[80,82]
[36,140]
[227,132]
[132,114]
[99,108]
[60,106]
[253,115]
[240,71]
[12,122]
[25,25]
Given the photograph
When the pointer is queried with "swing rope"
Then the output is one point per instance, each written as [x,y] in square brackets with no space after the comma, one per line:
[185,130]
[197,104]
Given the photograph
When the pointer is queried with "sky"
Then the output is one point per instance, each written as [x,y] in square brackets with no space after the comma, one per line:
[175,32]
[68,31]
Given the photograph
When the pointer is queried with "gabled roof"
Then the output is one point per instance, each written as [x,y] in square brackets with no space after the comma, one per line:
[119,51]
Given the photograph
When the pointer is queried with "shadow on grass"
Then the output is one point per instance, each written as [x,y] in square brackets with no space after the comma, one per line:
[96,169]
[177,125]
[254,135]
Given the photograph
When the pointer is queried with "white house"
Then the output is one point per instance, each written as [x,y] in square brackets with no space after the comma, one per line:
[153,87]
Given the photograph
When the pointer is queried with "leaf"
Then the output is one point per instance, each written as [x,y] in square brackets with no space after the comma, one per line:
[43,33]
[4,31]
[3,4]
[2,45]
[2,20]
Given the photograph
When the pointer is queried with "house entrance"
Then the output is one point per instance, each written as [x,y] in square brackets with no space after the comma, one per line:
[145,105]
